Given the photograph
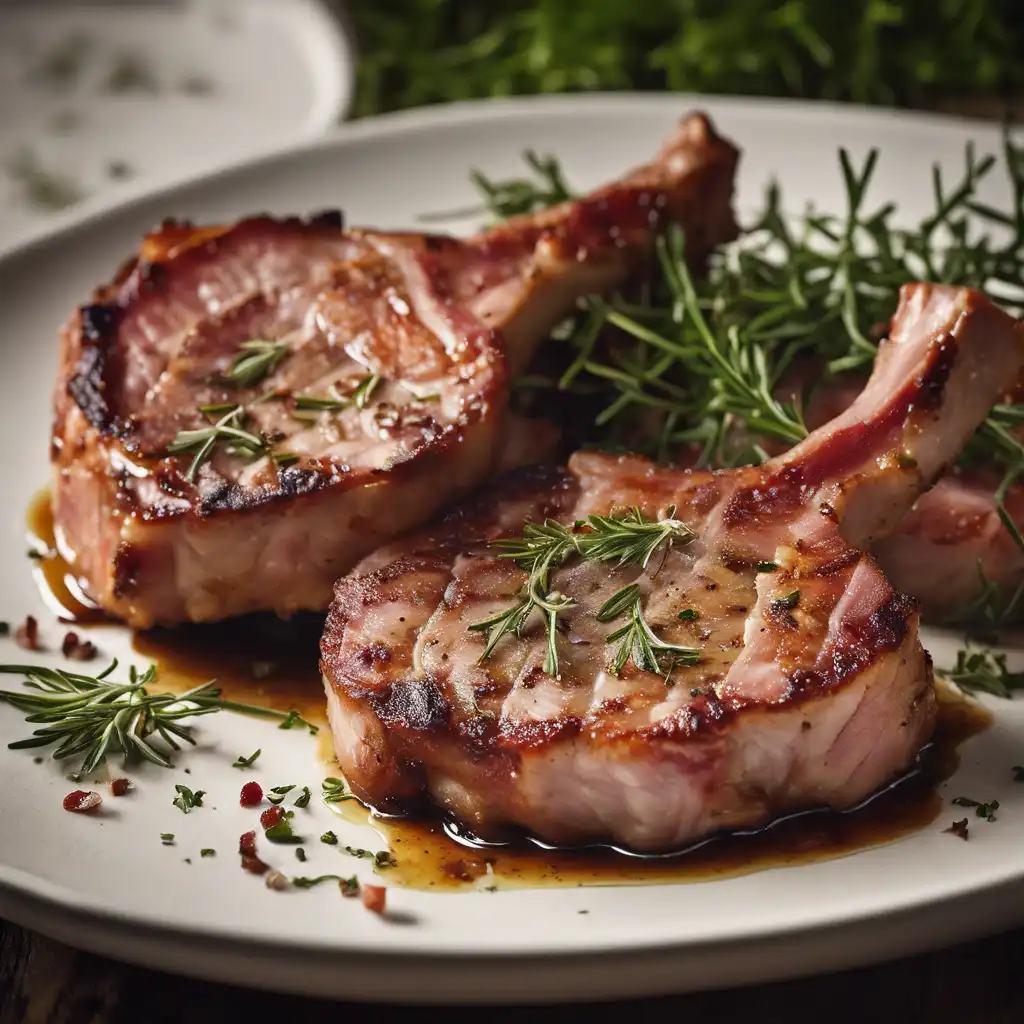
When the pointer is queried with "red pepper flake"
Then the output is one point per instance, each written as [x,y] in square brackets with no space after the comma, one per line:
[253,864]
[271,816]
[118,787]
[27,634]
[958,828]
[252,794]
[82,801]
[247,844]
[374,898]
[77,649]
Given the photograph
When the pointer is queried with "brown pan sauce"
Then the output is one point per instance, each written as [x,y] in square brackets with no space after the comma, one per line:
[262,660]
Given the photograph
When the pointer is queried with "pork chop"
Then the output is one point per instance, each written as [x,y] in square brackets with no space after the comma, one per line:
[246,411]
[760,664]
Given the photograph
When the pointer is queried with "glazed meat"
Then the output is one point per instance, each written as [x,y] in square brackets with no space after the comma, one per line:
[952,545]
[246,411]
[807,684]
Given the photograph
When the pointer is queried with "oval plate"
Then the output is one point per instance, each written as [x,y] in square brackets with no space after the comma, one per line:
[108,884]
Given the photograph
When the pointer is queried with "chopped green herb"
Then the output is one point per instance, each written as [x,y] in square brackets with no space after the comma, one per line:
[207,852]
[381,859]
[308,883]
[982,810]
[276,795]
[300,853]
[689,615]
[255,360]
[766,567]
[246,762]
[293,718]
[282,832]
[786,602]
[335,791]
[167,838]
[187,799]
[329,838]
[227,432]
[302,800]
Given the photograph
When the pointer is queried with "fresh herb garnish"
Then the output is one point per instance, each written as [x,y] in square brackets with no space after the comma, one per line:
[207,852]
[978,668]
[689,615]
[282,831]
[334,791]
[381,859]
[712,370]
[302,800]
[544,548]
[329,838]
[186,799]
[278,793]
[786,602]
[255,360]
[94,716]
[308,883]
[167,838]
[982,810]
[300,854]
[246,762]
[227,432]
[636,639]
[41,188]
[358,396]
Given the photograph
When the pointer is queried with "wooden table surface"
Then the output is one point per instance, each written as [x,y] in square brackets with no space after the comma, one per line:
[43,982]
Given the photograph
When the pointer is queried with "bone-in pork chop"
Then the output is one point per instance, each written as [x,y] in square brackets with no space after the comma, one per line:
[246,411]
[760,663]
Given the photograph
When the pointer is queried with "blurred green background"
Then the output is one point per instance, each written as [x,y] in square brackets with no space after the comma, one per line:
[922,53]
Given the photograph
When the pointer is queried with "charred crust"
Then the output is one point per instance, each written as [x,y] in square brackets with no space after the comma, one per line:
[931,385]
[415,704]
[88,389]
[333,219]
[99,322]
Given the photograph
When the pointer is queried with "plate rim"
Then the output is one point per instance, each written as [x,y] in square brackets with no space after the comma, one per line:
[461,112]
[39,898]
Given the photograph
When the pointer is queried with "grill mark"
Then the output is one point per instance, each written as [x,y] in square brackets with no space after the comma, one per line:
[931,385]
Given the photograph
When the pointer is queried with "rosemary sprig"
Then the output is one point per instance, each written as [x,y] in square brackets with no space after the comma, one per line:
[227,431]
[96,717]
[636,639]
[256,359]
[980,669]
[544,548]
[358,396]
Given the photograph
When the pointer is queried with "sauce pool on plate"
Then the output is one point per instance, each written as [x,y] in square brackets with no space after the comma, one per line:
[273,663]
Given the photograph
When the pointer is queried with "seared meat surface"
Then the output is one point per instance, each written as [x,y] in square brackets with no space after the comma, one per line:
[246,411]
[810,686]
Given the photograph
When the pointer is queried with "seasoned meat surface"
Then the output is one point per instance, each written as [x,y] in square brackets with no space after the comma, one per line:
[245,411]
[810,686]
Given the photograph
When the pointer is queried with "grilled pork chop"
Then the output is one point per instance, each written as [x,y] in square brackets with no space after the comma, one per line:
[246,411]
[810,686]
[952,545]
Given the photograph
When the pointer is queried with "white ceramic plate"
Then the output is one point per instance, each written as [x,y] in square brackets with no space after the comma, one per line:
[108,884]
[96,94]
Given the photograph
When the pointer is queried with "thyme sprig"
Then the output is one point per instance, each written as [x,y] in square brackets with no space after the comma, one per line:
[95,716]
[543,548]
[256,359]
[227,431]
